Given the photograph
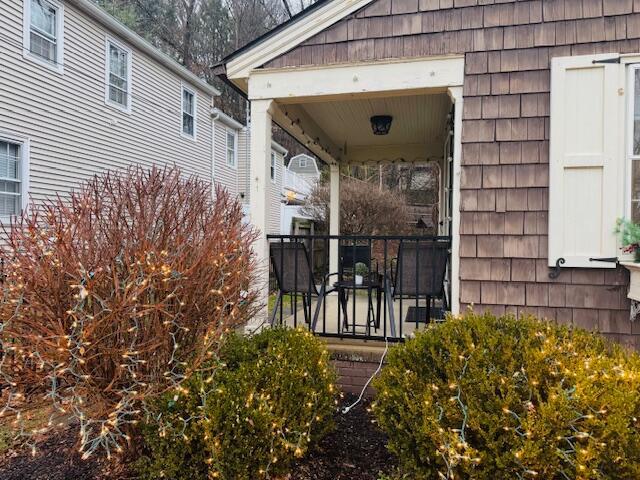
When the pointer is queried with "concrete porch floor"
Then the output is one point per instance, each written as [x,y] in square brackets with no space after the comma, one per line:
[331,318]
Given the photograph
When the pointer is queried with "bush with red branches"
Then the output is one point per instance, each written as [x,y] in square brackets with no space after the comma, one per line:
[119,294]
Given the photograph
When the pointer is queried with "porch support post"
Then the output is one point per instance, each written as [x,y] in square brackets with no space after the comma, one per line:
[455,93]
[259,165]
[334,216]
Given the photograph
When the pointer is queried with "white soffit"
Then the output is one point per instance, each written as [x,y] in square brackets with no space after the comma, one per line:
[417,119]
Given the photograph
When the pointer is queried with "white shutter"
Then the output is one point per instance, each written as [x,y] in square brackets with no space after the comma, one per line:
[586,161]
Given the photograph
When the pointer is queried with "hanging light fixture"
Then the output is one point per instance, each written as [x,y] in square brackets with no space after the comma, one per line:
[381,124]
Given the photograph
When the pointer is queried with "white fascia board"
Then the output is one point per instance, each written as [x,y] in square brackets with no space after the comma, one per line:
[280,43]
[322,82]
[220,116]
[114,26]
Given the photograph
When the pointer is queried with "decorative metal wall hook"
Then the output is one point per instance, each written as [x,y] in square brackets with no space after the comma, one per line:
[555,273]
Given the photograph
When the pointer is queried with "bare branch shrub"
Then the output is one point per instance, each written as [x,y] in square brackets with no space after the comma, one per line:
[119,295]
[365,208]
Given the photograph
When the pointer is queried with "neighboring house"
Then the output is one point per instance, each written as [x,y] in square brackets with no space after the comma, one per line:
[300,176]
[230,153]
[540,159]
[276,178]
[306,167]
[231,167]
[81,93]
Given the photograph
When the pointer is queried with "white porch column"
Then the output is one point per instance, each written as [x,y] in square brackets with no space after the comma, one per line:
[259,182]
[455,93]
[334,216]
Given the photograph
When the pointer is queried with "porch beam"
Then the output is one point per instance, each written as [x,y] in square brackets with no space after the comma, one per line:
[295,120]
[356,78]
[406,153]
[259,201]
[334,216]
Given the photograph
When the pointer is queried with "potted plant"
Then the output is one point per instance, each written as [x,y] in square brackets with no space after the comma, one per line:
[361,271]
[629,233]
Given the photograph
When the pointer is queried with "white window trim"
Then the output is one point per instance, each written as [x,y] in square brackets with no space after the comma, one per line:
[107,101]
[302,162]
[235,148]
[192,91]
[25,154]
[274,163]
[629,156]
[58,66]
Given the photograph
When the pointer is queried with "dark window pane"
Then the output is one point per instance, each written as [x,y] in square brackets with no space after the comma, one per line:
[187,124]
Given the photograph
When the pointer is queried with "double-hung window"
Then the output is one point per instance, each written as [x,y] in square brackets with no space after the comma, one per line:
[231,148]
[12,158]
[43,32]
[188,113]
[118,78]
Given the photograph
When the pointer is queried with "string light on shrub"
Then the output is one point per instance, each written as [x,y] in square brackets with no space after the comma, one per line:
[537,394]
[128,259]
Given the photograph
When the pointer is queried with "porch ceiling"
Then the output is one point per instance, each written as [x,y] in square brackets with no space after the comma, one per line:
[417,130]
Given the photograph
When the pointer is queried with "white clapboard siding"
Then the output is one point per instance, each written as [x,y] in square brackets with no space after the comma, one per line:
[244,146]
[586,160]
[275,196]
[73,134]
[275,187]
[224,174]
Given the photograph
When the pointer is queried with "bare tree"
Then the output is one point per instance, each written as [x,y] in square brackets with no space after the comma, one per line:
[365,208]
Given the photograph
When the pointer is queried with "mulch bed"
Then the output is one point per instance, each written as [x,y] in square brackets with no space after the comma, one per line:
[57,458]
[355,450]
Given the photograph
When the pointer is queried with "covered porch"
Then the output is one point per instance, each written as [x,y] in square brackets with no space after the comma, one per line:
[332,111]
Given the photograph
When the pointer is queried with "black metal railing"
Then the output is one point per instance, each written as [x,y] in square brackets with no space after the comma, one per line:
[382,287]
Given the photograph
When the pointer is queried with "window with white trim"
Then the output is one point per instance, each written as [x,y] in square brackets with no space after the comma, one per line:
[11,164]
[188,112]
[302,162]
[43,32]
[633,145]
[272,169]
[118,75]
[232,143]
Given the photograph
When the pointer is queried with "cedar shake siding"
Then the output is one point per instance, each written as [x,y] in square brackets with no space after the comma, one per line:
[505,153]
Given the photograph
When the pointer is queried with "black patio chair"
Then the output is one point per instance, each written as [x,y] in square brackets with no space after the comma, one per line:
[291,265]
[419,272]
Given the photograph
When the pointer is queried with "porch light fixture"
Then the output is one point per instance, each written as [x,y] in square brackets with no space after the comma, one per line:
[381,124]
